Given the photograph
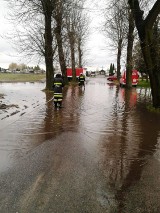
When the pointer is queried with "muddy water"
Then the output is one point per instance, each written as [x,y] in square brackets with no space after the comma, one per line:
[99,153]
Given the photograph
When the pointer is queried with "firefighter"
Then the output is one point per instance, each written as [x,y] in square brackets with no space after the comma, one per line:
[81,80]
[58,88]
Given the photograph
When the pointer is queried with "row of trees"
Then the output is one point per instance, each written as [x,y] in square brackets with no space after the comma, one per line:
[19,67]
[111,70]
[57,29]
[52,30]
[130,22]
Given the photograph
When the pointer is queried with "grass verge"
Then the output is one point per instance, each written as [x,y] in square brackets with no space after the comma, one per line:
[143,83]
[11,77]
[153,109]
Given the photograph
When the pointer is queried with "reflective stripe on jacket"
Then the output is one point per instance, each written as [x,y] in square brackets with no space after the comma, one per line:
[58,83]
[57,87]
[81,78]
[58,95]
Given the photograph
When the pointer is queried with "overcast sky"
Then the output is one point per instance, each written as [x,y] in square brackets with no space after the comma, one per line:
[97,54]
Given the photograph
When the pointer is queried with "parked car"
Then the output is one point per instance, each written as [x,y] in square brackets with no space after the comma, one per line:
[93,74]
[135,77]
[112,78]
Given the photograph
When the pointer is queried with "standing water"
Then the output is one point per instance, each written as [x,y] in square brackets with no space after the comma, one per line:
[99,153]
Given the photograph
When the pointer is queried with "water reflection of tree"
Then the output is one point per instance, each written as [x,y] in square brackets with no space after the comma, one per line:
[129,148]
[149,127]
[145,95]
[125,155]
[64,119]
[49,117]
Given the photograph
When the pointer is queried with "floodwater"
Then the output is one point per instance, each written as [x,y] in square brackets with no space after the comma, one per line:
[100,153]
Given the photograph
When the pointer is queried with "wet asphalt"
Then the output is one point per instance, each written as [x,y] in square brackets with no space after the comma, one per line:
[100,153]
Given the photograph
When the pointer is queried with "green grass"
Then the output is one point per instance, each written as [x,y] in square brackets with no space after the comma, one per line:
[153,109]
[143,83]
[11,77]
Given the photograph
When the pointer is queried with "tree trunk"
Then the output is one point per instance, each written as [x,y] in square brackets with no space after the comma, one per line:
[72,49]
[150,58]
[155,85]
[48,51]
[119,58]
[145,32]
[58,16]
[61,53]
[129,51]
[79,53]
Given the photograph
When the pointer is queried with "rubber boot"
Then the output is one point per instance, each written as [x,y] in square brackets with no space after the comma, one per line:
[55,104]
[60,104]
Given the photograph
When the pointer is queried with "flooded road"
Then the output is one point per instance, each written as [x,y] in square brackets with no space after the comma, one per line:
[100,153]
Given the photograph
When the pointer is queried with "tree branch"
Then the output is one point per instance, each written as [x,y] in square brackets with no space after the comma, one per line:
[152,16]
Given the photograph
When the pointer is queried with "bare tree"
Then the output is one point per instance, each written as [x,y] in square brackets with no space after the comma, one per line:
[146,35]
[76,25]
[30,14]
[115,28]
[70,26]
[58,16]
[81,33]
[47,10]
[130,43]
[43,31]
[129,64]
[71,36]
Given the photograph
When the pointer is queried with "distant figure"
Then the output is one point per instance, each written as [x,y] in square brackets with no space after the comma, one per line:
[81,80]
[58,89]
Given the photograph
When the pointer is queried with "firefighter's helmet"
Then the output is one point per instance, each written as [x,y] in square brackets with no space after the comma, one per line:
[58,75]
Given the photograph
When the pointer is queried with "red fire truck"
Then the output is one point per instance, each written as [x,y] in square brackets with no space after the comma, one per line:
[135,77]
[78,71]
